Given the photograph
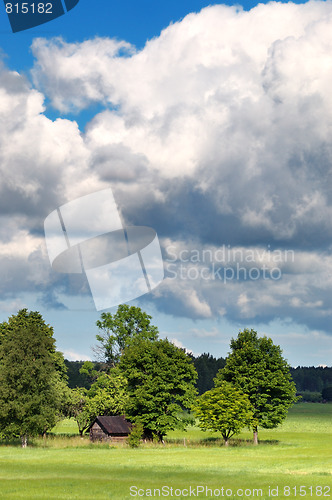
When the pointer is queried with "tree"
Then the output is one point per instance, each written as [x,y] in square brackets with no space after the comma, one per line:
[161,380]
[89,370]
[119,329]
[25,319]
[256,367]
[29,401]
[107,396]
[223,409]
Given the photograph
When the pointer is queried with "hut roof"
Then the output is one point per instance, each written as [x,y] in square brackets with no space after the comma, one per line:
[114,425]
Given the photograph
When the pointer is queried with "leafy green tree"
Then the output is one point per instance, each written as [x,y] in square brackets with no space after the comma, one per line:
[223,409]
[76,409]
[25,319]
[88,369]
[29,401]
[119,329]
[161,380]
[107,396]
[256,367]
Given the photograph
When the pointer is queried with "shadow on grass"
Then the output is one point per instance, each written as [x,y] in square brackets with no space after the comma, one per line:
[11,442]
[54,440]
[215,442]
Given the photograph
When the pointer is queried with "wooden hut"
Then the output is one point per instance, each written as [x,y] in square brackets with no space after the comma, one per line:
[107,428]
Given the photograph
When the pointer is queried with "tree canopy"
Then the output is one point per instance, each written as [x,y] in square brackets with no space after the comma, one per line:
[108,395]
[26,319]
[117,331]
[256,367]
[224,409]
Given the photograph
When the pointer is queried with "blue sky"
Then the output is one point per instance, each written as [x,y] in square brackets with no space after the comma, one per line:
[211,126]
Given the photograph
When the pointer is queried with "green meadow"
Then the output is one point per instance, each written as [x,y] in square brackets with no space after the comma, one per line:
[293,461]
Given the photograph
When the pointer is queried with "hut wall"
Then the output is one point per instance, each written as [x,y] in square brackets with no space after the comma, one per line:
[97,433]
[118,439]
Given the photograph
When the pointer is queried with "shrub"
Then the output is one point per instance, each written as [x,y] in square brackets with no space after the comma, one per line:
[134,439]
[311,397]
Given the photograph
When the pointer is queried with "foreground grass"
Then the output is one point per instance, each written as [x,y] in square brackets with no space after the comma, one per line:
[297,454]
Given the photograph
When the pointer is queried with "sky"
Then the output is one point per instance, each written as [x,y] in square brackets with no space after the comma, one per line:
[211,124]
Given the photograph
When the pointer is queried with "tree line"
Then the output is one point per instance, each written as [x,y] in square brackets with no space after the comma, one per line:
[307,379]
[157,385]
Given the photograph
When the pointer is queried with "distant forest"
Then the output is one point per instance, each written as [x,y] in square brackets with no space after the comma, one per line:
[308,380]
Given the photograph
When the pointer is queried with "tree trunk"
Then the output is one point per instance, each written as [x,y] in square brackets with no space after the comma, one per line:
[255,436]
[24,441]
[226,442]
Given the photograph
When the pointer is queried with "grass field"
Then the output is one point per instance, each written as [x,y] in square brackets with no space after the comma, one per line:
[298,454]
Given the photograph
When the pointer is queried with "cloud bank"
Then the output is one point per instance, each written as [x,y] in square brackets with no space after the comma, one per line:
[218,132]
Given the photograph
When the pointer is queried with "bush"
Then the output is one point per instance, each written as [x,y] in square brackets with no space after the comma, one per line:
[311,397]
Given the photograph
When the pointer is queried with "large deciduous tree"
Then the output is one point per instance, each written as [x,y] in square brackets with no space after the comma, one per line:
[256,367]
[161,380]
[117,331]
[224,409]
[29,400]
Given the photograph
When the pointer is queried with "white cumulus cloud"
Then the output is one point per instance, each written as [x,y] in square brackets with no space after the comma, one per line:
[217,132]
